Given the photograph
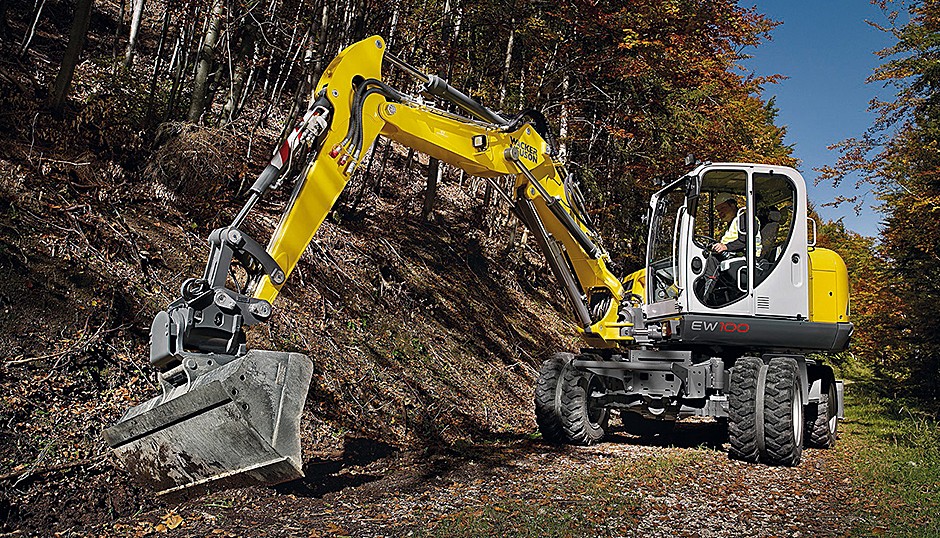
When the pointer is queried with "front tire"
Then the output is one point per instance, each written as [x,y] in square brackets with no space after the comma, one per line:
[783,413]
[742,409]
[582,422]
[547,414]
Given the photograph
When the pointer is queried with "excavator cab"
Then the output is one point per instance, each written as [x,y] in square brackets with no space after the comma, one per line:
[757,214]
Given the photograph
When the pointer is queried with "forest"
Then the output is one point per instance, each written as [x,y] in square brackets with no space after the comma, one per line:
[129,129]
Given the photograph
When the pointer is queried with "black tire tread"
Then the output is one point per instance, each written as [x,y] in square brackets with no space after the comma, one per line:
[780,395]
[742,412]
[547,416]
[817,424]
[576,422]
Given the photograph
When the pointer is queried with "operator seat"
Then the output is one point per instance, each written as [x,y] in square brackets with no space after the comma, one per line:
[768,235]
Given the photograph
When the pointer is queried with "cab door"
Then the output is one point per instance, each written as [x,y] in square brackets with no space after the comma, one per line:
[721,283]
[666,251]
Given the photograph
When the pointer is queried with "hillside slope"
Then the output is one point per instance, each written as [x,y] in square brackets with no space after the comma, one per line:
[423,334]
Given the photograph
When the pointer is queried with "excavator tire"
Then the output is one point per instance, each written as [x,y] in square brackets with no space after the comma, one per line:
[742,412]
[821,420]
[547,414]
[582,423]
[783,413]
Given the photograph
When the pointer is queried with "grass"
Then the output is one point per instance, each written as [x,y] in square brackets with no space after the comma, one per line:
[598,502]
[893,449]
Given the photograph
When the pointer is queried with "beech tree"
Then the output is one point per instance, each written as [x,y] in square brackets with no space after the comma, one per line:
[897,158]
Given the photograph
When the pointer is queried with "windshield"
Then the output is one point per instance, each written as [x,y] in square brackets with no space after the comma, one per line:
[661,253]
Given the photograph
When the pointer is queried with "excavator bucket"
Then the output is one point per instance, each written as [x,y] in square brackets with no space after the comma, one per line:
[236,425]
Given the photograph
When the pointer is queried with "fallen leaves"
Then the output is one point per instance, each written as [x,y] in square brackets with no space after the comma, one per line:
[171,521]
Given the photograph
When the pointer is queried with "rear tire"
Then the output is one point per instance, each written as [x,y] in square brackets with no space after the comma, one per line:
[742,409]
[822,421]
[783,413]
[547,414]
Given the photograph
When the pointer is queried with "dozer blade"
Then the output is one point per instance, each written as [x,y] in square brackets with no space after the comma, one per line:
[234,426]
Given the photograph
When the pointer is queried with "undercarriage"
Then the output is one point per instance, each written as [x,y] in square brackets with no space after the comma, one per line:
[774,404]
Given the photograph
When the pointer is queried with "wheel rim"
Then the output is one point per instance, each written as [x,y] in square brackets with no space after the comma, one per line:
[595,412]
[832,409]
[797,415]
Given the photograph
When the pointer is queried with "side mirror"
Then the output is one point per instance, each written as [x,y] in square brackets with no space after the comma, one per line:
[692,190]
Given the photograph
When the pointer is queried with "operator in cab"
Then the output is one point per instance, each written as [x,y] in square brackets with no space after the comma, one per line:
[732,243]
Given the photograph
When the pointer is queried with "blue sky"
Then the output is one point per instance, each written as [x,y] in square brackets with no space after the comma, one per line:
[826,49]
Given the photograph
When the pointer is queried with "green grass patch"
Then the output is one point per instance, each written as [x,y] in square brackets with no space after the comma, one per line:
[601,501]
[894,448]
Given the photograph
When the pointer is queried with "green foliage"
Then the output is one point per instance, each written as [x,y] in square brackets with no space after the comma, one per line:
[897,156]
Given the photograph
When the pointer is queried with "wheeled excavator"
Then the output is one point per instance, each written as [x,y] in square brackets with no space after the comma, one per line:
[659,344]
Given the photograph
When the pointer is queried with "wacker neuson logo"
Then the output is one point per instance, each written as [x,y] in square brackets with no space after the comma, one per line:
[720,326]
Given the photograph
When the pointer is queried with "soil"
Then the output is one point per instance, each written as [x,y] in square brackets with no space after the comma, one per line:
[683,485]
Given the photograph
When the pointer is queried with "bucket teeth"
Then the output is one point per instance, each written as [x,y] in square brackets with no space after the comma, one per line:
[236,425]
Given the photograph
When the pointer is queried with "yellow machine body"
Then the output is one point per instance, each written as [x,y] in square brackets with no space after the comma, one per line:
[450,139]
[828,287]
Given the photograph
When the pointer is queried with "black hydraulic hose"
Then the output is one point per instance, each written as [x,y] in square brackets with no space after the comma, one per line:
[390,93]
[356,103]
[353,139]
[540,124]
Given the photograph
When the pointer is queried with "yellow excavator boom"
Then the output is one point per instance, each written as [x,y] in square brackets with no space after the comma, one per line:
[249,402]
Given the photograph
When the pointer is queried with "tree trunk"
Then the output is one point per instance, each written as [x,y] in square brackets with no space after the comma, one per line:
[206,60]
[63,81]
[393,25]
[380,177]
[158,62]
[118,27]
[321,37]
[181,56]
[283,61]
[32,28]
[504,84]
[563,120]
[135,27]
[246,47]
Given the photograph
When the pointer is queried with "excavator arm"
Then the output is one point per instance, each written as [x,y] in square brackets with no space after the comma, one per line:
[353,107]
[487,145]
[230,416]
